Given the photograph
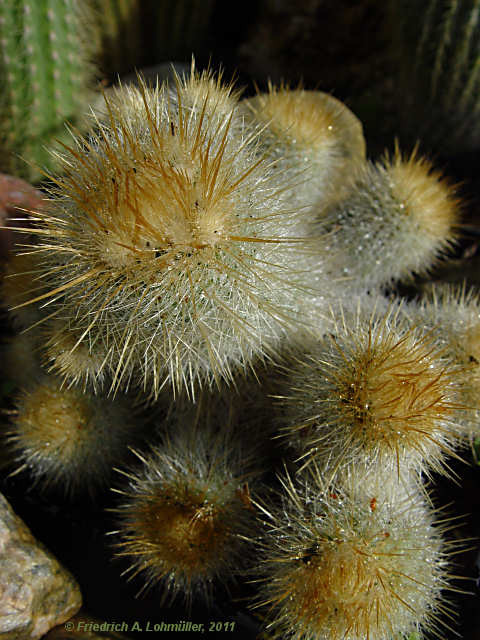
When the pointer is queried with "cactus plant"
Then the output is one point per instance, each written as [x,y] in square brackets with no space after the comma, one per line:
[375,391]
[137,33]
[343,562]
[186,518]
[439,57]
[398,219]
[168,199]
[312,138]
[67,438]
[47,77]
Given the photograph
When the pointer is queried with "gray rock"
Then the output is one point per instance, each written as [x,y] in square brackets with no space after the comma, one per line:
[36,592]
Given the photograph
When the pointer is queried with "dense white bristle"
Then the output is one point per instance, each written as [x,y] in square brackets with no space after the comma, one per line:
[340,563]
[399,218]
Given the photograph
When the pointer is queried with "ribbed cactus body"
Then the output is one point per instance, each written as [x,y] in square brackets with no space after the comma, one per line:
[46,75]
[438,49]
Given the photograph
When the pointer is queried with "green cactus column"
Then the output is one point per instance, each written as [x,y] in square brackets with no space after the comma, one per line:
[46,75]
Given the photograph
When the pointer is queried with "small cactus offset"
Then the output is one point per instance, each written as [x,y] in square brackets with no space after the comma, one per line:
[398,219]
[197,484]
[68,438]
[47,77]
[355,561]
[313,137]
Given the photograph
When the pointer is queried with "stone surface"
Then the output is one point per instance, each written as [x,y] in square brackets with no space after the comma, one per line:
[36,592]
[17,197]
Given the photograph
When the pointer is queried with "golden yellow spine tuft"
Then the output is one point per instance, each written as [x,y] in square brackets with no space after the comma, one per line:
[399,218]
[375,393]
[312,135]
[76,362]
[343,565]
[425,195]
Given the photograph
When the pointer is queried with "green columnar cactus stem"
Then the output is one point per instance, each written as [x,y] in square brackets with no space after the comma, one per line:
[46,47]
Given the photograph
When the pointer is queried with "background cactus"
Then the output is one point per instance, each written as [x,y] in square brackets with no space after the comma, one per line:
[437,46]
[47,77]
[139,33]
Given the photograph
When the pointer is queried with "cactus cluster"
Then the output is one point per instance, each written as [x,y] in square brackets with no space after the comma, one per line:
[202,320]
[197,254]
